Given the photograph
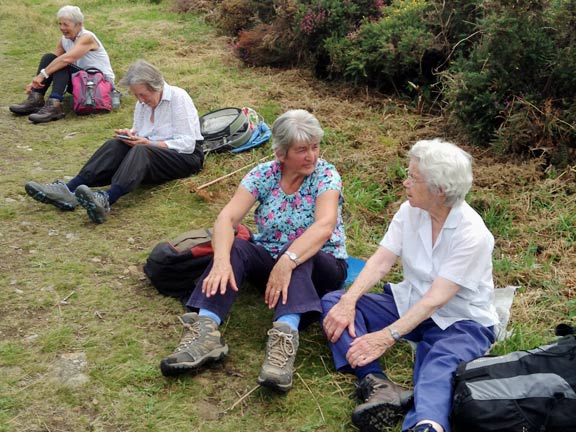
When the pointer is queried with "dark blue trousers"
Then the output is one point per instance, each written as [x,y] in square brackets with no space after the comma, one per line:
[438,352]
[253,263]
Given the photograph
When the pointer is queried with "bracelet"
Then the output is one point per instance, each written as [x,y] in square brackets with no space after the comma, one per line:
[44,73]
[154,143]
[395,335]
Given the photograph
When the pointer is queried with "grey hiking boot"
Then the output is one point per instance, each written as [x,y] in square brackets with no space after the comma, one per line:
[278,367]
[96,203]
[56,193]
[31,105]
[384,403]
[52,110]
[201,343]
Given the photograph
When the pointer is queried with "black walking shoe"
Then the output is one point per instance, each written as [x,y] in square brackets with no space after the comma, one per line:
[384,403]
[96,203]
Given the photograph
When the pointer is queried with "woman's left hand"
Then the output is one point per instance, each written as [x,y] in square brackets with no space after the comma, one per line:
[278,282]
[366,349]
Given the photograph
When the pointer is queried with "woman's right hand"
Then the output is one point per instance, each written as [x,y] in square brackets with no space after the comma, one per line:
[218,279]
[37,83]
[340,318]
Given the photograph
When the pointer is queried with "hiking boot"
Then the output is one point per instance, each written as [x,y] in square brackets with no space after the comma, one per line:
[56,193]
[201,343]
[424,427]
[384,403]
[278,367]
[31,105]
[96,203]
[52,110]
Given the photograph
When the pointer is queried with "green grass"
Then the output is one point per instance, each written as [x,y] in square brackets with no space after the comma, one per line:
[114,316]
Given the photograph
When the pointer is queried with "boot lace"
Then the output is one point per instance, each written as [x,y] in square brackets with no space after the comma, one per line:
[47,107]
[280,347]
[191,333]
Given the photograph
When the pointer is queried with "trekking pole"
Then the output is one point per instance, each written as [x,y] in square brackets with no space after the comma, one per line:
[210,183]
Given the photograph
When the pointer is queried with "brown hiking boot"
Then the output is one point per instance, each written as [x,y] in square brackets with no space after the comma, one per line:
[52,110]
[384,403]
[201,343]
[278,367]
[31,105]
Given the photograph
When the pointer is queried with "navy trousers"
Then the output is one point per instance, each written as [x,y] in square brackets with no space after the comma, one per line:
[253,263]
[61,80]
[437,355]
[119,164]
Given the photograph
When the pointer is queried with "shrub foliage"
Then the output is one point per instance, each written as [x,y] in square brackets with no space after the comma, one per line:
[504,70]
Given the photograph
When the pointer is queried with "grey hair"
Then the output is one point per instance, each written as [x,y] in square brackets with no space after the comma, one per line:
[445,167]
[294,126]
[142,72]
[73,13]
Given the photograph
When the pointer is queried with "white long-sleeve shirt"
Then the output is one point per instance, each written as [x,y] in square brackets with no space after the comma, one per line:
[176,120]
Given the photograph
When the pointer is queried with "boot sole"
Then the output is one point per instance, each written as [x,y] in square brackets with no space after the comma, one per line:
[175,369]
[378,417]
[86,199]
[280,388]
[45,199]
[58,117]
[23,113]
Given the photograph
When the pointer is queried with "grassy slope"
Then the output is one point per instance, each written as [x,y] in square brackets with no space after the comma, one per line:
[114,316]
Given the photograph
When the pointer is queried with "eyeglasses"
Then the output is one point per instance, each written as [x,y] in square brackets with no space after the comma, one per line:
[413,180]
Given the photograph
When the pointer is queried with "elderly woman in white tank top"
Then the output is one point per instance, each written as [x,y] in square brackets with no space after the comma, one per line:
[77,49]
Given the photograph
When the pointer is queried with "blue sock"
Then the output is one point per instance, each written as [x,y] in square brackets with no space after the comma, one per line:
[114,193]
[293,320]
[211,315]
[74,183]
[56,96]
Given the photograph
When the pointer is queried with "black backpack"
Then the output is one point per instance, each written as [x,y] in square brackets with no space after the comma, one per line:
[524,391]
[173,267]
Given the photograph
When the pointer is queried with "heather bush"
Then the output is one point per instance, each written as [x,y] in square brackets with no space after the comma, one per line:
[271,44]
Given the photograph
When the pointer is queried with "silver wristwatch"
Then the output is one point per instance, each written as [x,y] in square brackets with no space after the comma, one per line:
[293,257]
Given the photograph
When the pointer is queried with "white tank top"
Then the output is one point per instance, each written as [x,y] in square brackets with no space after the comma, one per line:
[92,59]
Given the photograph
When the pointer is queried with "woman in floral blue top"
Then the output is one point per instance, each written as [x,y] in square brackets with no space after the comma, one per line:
[297,255]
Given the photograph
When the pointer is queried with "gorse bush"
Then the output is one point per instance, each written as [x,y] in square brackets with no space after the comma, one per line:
[384,52]
[515,90]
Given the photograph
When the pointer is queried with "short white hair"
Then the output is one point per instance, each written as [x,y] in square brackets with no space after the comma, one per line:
[73,13]
[445,167]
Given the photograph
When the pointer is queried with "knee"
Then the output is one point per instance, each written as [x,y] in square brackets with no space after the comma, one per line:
[330,299]
[47,58]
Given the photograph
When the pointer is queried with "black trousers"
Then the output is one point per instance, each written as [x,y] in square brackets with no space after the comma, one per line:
[61,80]
[116,163]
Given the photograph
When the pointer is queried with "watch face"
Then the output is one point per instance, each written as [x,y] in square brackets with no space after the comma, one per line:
[291,255]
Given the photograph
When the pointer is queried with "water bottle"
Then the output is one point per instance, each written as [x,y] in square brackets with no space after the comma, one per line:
[115,96]
[90,94]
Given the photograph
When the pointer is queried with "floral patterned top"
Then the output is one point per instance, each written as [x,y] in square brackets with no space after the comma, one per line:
[281,218]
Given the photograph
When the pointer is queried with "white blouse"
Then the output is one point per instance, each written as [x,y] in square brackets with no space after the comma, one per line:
[462,254]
